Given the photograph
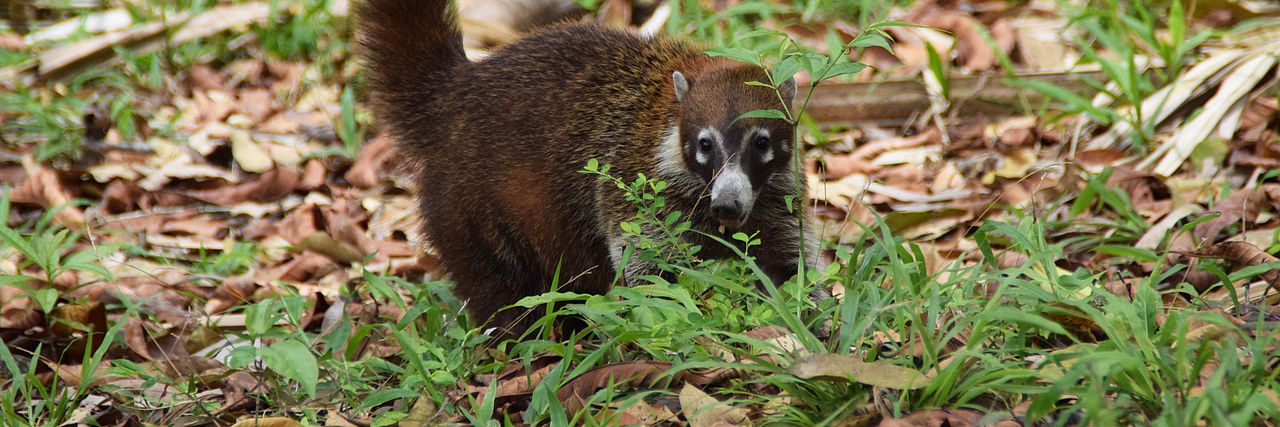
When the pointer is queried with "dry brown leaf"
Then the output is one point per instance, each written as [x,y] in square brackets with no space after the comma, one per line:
[164,347]
[304,267]
[1149,194]
[641,373]
[313,174]
[1243,206]
[321,242]
[1098,158]
[267,422]
[373,156]
[343,222]
[946,417]
[702,410]
[206,78]
[43,187]
[1245,255]
[258,104]
[251,156]
[972,51]
[213,105]
[265,188]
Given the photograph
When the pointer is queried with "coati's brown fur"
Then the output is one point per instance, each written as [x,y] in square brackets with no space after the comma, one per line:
[497,147]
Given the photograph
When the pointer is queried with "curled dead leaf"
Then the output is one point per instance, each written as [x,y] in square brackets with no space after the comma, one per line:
[1243,206]
[43,187]
[373,156]
[877,373]
[267,422]
[1243,255]
[702,410]
[321,242]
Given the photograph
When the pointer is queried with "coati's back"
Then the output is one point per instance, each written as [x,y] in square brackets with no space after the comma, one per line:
[496,145]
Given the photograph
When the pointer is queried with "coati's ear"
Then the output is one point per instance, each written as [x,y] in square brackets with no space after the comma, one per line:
[788,90]
[681,85]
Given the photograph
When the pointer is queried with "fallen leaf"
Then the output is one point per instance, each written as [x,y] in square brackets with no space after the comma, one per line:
[642,373]
[248,154]
[321,242]
[948,417]
[267,422]
[1243,254]
[373,155]
[1243,206]
[43,187]
[702,410]
[265,188]
[877,373]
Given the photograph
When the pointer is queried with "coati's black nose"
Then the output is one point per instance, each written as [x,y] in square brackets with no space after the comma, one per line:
[727,209]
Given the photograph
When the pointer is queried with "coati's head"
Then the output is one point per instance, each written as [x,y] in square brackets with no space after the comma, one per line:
[735,158]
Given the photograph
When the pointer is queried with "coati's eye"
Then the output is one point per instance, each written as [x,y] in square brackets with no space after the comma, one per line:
[704,144]
[762,142]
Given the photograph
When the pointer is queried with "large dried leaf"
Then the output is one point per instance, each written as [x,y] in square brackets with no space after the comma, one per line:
[877,373]
[702,410]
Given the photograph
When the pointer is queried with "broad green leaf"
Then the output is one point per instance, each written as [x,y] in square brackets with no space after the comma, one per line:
[869,39]
[785,69]
[736,53]
[293,360]
[844,69]
[762,114]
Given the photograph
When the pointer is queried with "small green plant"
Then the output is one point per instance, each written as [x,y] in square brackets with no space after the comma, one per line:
[50,249]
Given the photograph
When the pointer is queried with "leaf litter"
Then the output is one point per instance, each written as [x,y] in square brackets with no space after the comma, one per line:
[256,186]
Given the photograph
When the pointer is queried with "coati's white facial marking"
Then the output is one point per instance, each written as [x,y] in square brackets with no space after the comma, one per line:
[671,153]
[702,157]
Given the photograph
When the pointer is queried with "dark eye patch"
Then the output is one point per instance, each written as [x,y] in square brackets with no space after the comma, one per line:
[762,142]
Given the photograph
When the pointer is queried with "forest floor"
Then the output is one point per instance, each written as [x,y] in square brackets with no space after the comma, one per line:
[1033,213]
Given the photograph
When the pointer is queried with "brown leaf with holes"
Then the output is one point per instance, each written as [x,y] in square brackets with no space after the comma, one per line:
[1242,207]
[1243,255]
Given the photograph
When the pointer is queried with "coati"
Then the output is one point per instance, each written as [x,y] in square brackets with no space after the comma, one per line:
[496,148]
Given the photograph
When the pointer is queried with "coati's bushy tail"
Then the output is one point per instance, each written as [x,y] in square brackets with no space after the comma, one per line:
[410,47]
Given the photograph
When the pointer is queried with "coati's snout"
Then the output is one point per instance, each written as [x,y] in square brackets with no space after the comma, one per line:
[731,196]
